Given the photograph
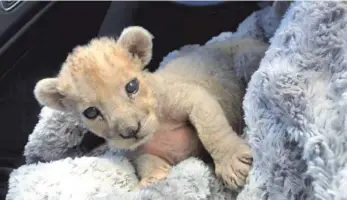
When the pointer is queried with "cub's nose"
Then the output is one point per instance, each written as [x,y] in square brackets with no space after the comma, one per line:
[130,132]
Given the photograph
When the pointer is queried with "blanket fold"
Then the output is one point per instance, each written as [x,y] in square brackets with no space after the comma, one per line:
[295,107]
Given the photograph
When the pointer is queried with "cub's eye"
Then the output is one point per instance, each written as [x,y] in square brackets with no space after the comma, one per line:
[132,87]
[91,112]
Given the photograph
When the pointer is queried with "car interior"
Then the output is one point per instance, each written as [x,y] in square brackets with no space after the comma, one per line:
[36,37]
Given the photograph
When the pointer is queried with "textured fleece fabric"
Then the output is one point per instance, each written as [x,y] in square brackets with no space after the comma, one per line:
[295,108]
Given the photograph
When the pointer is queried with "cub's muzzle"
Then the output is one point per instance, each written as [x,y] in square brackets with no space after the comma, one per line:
[131,132]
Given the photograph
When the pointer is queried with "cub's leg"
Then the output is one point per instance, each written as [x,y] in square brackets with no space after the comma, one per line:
[230,153]
[151,169]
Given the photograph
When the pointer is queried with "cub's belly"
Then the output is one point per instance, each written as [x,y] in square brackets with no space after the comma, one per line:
[174,145]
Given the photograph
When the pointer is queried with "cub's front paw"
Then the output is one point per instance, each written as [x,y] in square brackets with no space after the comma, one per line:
[234,166]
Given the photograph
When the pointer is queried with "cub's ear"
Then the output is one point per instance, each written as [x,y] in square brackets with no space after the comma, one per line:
[47,94]
[138,41]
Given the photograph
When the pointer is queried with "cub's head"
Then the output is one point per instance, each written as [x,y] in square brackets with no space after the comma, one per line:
[103,84]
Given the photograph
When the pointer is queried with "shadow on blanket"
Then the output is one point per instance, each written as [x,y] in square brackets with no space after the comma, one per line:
[65,172]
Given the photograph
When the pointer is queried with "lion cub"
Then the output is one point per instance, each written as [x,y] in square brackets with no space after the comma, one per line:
[192,104]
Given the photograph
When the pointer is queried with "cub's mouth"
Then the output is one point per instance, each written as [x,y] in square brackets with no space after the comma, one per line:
[132,134]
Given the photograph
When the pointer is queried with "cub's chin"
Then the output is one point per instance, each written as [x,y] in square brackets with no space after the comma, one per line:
[148,127]
[129,143]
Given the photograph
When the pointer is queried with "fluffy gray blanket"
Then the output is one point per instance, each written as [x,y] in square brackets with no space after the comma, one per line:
[293,109]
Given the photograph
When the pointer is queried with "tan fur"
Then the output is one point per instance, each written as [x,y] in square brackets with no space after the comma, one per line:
[199,88]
